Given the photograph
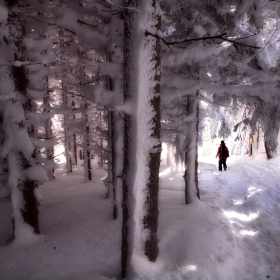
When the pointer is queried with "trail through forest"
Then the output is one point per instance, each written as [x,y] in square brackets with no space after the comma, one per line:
[232,233]
[248,195]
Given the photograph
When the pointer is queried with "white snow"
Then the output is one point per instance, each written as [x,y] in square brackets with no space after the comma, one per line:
[112,69]
[36,173]
[3,14]
[14,130]
[231,233]
[98,94]
[36,74]
[194,53]
[68,17]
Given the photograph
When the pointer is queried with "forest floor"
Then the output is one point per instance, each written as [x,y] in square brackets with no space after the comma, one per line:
[233,232]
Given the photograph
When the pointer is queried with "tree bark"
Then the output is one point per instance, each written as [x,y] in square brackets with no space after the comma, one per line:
[151,218]
[271,129]
[191,154]
[112,186]
[74,140]
[141,174]
[125,247]
[86,147]
[49,134]
[67,143]
[112,164]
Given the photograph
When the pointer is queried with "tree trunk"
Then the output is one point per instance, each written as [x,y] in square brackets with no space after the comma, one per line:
[191,154]
[126,246]
[177,153]
[271,130]
[67,142]
[24,202]
[116,119]
[267,150]
[112,192]
[142,146]
[74,140]
[49,134]
[86,147]
[5,191]
[81,155]
[170,156]
[112,164]
[85,154]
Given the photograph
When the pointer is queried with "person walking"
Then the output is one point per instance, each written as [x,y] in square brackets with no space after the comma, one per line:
[223,154]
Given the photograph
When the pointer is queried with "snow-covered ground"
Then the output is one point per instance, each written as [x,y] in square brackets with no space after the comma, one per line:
[233,232]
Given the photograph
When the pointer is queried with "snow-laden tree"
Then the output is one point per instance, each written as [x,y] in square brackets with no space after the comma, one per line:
[254,81]
[22,74]
[253,77]
[142,145]
[215,47]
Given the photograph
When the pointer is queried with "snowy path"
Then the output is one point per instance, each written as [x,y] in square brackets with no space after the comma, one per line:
[232,233]
[79,240]
[248,195]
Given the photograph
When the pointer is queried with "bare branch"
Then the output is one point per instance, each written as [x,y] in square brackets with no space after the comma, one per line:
[47,138]
[237,43]
[220,37]
[75,94]
[85,23]
[120,7]
[88,83]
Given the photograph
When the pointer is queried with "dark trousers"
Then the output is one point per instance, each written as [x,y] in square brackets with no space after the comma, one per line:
[222,162]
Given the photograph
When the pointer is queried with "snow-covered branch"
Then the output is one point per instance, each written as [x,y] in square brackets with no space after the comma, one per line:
[220,37]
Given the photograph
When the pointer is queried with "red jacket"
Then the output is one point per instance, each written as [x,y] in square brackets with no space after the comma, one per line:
[221,156]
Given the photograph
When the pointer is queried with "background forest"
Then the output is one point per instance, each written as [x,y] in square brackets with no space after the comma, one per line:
[114,83]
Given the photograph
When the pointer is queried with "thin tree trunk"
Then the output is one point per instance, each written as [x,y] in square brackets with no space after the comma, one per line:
[49,134]
[196,151]
[267,151]
[111,158]
[86,147]
[177,152]
[67,136]
[170,155]
[258,137]
[5,191]
[112,165]
[191,154]
[81,154]
[86,136]
[125,248]
[75,155]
